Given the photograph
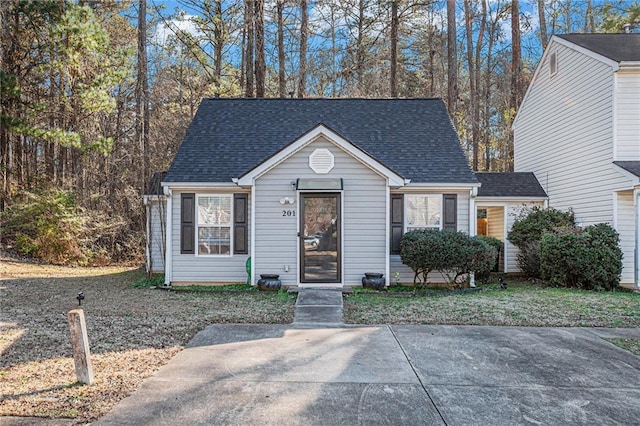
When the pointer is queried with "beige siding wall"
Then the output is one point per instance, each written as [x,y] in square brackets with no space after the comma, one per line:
[192,268]
[626,227]
[495,228]
[157,230]
[564,134]
[364,211]
[627,116]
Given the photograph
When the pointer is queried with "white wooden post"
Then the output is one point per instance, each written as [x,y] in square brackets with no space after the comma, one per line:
[80,346]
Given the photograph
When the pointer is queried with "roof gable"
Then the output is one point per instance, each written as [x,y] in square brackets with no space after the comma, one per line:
[310,137]
[228,138]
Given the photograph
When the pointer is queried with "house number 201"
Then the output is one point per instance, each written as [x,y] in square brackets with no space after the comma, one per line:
[288,213]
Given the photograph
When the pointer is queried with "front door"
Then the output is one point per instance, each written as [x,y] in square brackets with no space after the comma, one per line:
[320,238]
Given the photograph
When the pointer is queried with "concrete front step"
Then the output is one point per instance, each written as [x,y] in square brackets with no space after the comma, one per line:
[316,307]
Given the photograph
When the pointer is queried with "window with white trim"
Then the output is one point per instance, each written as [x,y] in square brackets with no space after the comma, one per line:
[214,221]
[423,211]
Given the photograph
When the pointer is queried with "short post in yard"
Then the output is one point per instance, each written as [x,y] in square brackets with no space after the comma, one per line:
[80,346]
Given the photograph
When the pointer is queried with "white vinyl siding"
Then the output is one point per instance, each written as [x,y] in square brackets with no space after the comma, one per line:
[625,225]
[627,116]
[156,239]
[564,134]
[190,268]
[364,212]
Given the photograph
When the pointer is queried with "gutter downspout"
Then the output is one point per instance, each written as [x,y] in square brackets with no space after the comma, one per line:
[169,248]
[473,222]
[636,250]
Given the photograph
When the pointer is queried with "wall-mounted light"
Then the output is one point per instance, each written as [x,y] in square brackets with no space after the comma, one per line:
[293,185]
[287,200]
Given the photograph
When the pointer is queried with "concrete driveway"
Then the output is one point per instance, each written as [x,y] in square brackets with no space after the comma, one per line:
[374,375]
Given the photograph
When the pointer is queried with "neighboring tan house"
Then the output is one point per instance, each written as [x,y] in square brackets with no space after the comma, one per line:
[318,191]
[578,130]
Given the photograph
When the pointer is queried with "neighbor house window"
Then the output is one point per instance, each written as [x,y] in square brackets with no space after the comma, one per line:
[553,64]
[423,212]
[214,222]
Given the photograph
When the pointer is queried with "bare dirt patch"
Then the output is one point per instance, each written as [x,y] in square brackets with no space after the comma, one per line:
[132,332]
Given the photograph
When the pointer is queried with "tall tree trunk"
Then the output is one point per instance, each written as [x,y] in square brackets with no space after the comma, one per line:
[516,70]
[249,51]
[468,19]
[452,62]
[218,32]
[304,30]
[282,89]
[360,48]
[544,37]
[393,77]
[260,67]
[142,95]
[480,134]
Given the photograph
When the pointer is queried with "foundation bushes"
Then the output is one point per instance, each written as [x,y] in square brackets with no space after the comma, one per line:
[527,231]
[588,258]
[454,254]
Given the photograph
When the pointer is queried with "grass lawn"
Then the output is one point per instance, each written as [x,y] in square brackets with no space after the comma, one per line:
[132,332]
[521,304]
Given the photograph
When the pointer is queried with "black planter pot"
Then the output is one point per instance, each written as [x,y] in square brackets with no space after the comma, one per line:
[373,280]
[269,282]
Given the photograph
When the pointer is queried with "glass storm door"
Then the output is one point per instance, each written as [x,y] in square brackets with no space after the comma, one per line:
[320,238]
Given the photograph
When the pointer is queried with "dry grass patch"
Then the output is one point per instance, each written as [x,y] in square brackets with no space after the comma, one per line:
[132,332]
[522,304]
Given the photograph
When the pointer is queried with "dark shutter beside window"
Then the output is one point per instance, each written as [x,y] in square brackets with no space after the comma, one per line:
[240,223]
[450,212]
[397,222]
[187,223]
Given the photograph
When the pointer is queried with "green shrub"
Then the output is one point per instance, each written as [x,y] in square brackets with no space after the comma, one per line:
[487,259]
[527,231]
[588,258]
[422,251]
[454,254]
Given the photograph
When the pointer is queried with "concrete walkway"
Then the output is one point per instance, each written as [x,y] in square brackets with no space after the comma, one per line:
[309,373]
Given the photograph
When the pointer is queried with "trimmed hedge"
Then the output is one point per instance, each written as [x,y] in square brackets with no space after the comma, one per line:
[454,254]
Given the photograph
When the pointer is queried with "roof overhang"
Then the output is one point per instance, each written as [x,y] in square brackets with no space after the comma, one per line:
[441,186]
[321,131]
[200,186]
[635,180]
[481,199]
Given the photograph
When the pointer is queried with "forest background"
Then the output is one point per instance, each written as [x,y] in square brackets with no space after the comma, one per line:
[95,96]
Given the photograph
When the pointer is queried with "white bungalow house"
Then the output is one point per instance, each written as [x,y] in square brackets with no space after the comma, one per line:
[318,191]
[578,131]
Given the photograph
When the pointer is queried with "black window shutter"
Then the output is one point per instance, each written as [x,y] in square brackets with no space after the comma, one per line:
[187,223]
[240,224]
[397,222]
[450,212]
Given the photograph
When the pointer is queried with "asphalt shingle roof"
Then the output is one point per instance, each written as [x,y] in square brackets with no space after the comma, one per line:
[632,167]
[518,184]
[229,137]
[619,47]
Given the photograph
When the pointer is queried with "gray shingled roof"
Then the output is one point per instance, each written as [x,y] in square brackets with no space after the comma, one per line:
[518,184]
[632,167]
[618,47]
[412,137]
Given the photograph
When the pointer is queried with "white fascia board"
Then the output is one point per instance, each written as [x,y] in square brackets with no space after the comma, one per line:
[444,187]
[200,186]
[249,178]
[635,180]
[507,200]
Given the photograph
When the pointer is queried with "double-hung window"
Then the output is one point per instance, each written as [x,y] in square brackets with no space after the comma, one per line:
[214,221]
[423,211]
